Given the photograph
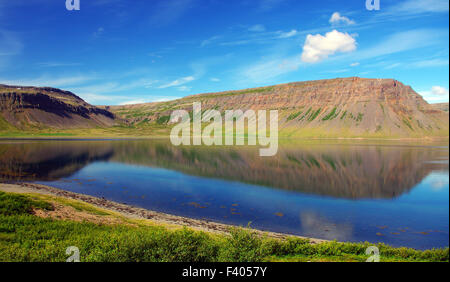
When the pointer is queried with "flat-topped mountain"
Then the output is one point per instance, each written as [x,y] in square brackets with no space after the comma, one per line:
[341,107]
[43,107]
[347,107]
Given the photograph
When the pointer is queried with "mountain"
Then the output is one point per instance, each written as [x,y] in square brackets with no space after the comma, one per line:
[27,108]
[440,106]
[342,107]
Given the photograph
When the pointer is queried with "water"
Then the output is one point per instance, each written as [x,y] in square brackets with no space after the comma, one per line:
[349,191]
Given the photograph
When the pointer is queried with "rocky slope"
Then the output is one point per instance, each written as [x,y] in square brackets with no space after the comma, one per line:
[342,107]
[440,106]
[43,107]
[347,107]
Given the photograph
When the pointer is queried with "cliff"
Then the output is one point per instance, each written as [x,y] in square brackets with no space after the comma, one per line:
[34,107]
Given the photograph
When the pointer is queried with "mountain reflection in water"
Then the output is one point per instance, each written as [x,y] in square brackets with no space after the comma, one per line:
[351,191]
[347,171]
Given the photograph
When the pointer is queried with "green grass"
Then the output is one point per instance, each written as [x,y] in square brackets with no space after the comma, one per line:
[408,124]
[359,118]
[294,115]
[331,115]
[163,119]
[233,93]
[13,204]
[314,115]
[25,237]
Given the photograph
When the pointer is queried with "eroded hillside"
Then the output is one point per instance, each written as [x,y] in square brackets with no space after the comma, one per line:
[348,107]
[44,107]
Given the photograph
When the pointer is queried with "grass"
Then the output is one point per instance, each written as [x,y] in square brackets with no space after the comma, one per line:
[314,115]
[331,115]
[240,92]
[294,115]
[163,119]
[26,237]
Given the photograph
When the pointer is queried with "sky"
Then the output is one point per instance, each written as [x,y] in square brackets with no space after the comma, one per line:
[115,52]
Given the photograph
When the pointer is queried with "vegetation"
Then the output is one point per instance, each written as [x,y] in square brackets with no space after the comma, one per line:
[359,117]
[408,124]
[331,115]
[163,119]
[294,115]
[27,237]
[314,115]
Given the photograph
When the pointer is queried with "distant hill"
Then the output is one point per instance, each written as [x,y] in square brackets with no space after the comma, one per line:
[43,107]
[342,107]
[440,106]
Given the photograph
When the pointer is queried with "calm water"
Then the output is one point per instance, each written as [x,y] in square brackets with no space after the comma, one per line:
[393,193]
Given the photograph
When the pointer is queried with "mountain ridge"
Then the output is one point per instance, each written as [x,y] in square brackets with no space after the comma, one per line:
[325,108]
[340,107]
[26,107]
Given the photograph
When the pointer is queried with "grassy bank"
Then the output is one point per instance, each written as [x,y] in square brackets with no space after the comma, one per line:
[40,227]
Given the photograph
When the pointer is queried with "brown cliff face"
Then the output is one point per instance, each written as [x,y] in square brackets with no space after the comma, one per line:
[347,107]
[342,107]
[33,107]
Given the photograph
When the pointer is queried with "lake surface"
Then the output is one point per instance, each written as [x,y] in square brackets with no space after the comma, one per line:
[349,191]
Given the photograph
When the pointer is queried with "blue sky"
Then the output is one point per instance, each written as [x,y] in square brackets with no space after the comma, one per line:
[114,52]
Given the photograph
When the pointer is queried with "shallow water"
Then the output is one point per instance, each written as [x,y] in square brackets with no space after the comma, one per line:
[349,191]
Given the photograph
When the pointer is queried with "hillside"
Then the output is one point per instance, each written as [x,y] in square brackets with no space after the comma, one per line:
[26,108]
[440,106]
[343,107]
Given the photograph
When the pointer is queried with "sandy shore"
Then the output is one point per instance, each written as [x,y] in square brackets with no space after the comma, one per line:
[135,212]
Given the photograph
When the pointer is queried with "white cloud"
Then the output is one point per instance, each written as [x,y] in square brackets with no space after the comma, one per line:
[421,6]
[50,81]
[165,99]
[401,42]
[210,40]
[257,28]
[336,18]
[439,90]
[355,64]
[184,88]
[267,70]
[430,63]
[113,87]
[10,44]
[267,5]
[133,102]
[214,79]
[57,64]
[178,82]
[436,94]
[319,47]
[98,99]
[288,34]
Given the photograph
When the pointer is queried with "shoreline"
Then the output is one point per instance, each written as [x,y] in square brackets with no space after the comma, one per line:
[138,137]
[133,212]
